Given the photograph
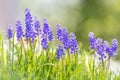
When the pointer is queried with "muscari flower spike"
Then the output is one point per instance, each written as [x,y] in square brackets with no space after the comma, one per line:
[37,26]
[28,24]
[59,32]
[99,48]
[47,34]
[112,51]
[47,31]
[10,32]
[59,52]
[103,48]
[50,34]
[44,43]
[92,40]
[33,35]
[65,39]
[73,44]
[19,30]
[114,45]
[30,32]
[45,28]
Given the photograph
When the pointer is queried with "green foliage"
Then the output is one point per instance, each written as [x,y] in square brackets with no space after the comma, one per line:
[22,61]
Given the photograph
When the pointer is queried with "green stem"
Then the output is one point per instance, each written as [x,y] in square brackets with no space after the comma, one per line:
[103,63]
[13,51]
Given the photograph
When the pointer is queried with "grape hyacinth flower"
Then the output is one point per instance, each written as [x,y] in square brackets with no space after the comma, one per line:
[59,32]
[97,43]
[92,40]
[30,32]
[50,34]
[65,39]
[73,44]
[47,31]
[28,24]
[10,32]
[44,43]
[33,35]
[19,30]
[47,34]
[60,52]
[45,28]
[112,51]
[114,46]
[103,48]
[106,44]
[37,26]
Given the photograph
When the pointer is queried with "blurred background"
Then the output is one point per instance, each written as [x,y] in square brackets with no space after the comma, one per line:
[80,16]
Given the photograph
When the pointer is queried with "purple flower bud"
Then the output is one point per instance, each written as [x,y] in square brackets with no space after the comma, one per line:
[59,32]
[97,43]
[33,35]
[106,44]
[73,44]
[37,26]
[114,45]
[47,31]
[92,40]
[9,33]
[112,51]
[44,43]
[65,39]
[47,34]
[60,52]
[28,24]
[100,50]
[19,30]
[50,34]
[46,27]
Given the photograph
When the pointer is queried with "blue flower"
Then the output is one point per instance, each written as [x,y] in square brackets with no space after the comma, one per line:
[37,26]
[73,44]
[65,39]
[112,51]
[33,35]
[19,30]
[47,34]
[103,48]
[100,47]
[92,40]
[47,31]
[100,50]
[59,52]
[50,34]
[28,24]
[46,27]
[114,46]
[97,43]
[9,33]
[44,43]
[106,44]
[59,32]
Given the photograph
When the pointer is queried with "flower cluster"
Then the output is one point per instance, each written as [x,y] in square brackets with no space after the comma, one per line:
[103,48]
[69,42]
[66,41]
[33,30]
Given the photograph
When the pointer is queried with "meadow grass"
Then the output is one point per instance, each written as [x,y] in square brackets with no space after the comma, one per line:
[22,61]
[31,54]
